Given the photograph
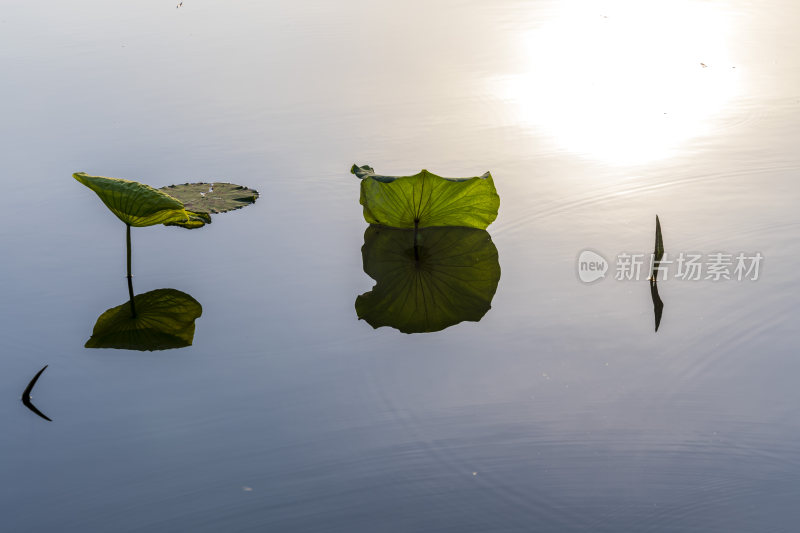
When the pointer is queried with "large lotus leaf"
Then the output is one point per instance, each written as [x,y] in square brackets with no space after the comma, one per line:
[425,200]
[135,203]
[212,197]
[164,319]
[450,276]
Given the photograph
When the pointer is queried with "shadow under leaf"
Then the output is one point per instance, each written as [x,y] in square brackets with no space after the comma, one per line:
[164,320]
[429,279]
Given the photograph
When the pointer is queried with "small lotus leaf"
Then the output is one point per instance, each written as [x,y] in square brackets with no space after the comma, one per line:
[164,319]
[196,220]
[445,276]
[135,203]
[212,197]
[425,200]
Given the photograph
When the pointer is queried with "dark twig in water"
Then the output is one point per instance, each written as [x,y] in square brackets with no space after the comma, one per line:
[658,252]
[26,396]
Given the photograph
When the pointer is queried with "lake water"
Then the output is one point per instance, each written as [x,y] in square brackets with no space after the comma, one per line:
[561,410]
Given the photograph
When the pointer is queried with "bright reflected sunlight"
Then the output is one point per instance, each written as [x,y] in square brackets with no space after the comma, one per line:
[625,82]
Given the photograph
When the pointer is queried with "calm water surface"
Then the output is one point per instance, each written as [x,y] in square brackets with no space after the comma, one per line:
[561,410]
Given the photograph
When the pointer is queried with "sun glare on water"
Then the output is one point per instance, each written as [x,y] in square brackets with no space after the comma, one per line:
[625,82]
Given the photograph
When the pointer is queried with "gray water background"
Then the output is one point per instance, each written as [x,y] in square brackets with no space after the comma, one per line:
[560,411]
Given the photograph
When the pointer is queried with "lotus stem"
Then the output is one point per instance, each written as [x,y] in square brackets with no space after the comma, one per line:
[416,248]
[130,278]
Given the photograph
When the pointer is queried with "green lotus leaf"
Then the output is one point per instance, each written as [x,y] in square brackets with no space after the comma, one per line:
[164,320]
[446,276]
[196,220]
[134,203]
[212,197]
[425,200]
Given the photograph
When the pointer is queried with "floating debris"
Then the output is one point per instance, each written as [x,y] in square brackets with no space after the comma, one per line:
[26,396]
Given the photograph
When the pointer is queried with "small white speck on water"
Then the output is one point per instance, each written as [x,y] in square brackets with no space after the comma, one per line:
[247,489]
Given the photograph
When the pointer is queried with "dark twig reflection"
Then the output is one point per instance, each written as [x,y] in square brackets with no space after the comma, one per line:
[658,305]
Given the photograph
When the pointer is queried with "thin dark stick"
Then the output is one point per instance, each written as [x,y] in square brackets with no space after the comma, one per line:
[130,278]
